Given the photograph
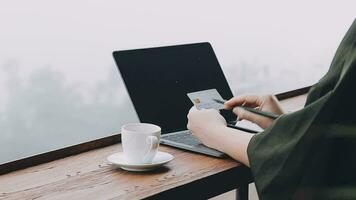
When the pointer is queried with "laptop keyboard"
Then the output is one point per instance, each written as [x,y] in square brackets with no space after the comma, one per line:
[184,137]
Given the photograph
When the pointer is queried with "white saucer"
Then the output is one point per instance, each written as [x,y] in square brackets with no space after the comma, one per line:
[160,159]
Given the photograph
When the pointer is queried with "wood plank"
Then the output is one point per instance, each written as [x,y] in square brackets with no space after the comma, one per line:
[88,175]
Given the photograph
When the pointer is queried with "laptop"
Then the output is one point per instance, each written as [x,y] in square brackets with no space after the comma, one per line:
[158,80]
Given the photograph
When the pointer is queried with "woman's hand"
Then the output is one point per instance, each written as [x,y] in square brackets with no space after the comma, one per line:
[210,128]
[206,125]
[268,103]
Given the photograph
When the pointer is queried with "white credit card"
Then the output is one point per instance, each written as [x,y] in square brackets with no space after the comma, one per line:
[205,99]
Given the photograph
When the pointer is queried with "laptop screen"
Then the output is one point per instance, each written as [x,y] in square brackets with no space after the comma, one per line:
[158,80]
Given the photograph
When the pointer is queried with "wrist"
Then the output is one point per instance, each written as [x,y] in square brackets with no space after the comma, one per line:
[229,138]
[222,137]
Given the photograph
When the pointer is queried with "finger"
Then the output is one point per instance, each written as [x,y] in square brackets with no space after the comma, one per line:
[191,111]
[248,100]
[193,108]
[252,117]
[188,125]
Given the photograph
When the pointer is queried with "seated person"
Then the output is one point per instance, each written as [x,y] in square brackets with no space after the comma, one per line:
[307,154]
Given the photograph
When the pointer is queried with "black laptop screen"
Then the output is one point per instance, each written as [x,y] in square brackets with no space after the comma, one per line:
[158,79]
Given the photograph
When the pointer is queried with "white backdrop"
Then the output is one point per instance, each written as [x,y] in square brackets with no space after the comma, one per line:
[59,85]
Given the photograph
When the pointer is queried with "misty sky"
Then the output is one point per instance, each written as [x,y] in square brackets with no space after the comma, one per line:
[59,85]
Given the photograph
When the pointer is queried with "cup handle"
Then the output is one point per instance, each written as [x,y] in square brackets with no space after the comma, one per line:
[154,143]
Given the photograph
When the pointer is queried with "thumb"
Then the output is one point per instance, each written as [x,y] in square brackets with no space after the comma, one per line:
[262,121]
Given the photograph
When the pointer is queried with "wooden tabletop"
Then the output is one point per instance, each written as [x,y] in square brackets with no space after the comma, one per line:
[89,176]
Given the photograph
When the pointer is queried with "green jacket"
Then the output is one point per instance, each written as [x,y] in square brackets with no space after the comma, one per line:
[311,153]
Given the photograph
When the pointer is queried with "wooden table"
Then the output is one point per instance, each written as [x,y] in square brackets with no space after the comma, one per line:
[89,176]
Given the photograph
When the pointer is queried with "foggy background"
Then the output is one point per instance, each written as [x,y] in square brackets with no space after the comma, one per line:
[59,85]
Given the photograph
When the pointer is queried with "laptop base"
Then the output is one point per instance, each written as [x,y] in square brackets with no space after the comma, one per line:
[185,140]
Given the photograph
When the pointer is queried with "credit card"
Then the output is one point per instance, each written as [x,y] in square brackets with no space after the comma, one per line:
[205,99]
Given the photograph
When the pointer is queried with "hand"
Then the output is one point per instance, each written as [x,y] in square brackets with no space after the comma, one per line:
[268,103]
[206,124]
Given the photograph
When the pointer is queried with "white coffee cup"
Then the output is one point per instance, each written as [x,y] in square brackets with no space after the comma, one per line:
[140,142]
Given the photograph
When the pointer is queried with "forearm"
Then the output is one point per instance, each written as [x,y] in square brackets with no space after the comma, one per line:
[234,143]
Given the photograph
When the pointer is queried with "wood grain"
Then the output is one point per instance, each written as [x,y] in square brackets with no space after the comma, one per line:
[89,176]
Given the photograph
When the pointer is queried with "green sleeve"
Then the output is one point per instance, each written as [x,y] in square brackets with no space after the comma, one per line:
[311,153]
